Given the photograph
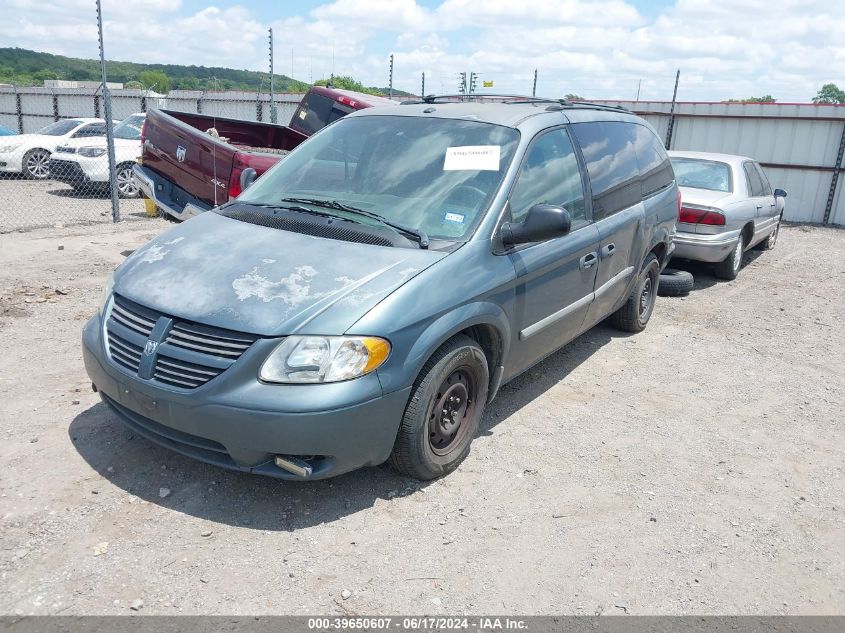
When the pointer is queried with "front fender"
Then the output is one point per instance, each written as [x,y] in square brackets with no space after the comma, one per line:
[409,361]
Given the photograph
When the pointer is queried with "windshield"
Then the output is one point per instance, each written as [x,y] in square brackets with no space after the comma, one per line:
[130,128]
[59,128]
[430,174]
[702,174]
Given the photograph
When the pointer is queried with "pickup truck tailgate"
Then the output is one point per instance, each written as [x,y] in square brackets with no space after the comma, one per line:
[190,158]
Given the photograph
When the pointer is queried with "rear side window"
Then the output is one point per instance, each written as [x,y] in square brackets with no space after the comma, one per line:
[317,111]
[92,129]
[549,175]
[767,188]
[755,185]
[655,169]
[609,151]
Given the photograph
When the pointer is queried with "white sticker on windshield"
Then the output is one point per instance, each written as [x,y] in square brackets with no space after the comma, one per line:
[475,157]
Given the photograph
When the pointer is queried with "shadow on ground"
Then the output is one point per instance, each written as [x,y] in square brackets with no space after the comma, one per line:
[142,468]
[703,272]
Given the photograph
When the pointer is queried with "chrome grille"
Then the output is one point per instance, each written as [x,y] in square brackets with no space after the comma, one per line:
[189,355]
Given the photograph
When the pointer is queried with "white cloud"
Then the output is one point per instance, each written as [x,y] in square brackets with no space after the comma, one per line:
[724,48]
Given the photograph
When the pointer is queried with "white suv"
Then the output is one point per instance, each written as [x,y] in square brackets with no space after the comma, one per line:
[83,163]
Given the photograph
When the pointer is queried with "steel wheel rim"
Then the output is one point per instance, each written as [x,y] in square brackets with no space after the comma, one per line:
[38,164]
[738,255]
[453,404]
[125,183]
[645,296]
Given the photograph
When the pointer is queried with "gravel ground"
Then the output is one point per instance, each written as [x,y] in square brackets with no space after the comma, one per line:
[31,204]
[694,468]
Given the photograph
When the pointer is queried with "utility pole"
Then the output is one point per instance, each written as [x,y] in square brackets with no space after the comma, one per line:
[390,89]
[422,88]
[639,85]
[472,82]
[115,208]
[272,85]
[462,87]
[672,112]
[534,89]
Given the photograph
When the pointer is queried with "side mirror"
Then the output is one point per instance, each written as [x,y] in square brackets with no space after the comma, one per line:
[543,222]
[248,177]
[780,193]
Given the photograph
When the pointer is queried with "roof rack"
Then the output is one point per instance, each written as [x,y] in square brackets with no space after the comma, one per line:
[513,98]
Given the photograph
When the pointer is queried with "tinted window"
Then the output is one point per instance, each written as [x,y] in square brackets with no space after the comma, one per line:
[317,111]
[655,169]
[755,185]
[767,188]
[92,129]
[608,149]
[59,128]
[702,174]
[550,175]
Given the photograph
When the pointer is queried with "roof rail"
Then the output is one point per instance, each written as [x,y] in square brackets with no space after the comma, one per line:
[514,98]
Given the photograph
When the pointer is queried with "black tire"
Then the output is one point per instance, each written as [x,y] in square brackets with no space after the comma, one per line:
[633,316]
[729,267]
[770,241]
[675,283]
[424,449]
[36,164]
[164,214]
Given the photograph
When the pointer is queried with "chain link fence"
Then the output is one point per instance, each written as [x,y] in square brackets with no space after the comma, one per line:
[54,167]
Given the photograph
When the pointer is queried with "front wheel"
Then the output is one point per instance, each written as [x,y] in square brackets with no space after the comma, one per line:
[442,415]
[126,185]
[36,164]
[633,316]
[769,243]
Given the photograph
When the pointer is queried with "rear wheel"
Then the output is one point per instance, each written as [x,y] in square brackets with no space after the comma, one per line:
[769,243]
[729,267]
[633,316]
[36,164]
[444,410]
[126,186]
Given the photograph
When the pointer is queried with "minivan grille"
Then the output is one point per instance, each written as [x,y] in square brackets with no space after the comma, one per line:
[184,354]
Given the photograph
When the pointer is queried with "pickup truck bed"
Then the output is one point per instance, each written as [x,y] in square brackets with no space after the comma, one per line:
[193,162]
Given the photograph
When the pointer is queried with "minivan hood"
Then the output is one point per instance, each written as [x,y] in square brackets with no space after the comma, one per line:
[265,281]
[705,197]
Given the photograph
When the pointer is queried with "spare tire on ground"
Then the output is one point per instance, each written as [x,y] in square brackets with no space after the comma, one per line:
[675,283]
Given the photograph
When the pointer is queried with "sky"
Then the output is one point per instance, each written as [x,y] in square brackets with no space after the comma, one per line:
[602,50]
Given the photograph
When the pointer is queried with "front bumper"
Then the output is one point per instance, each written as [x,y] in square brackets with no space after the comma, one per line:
[79,170]
[705,248]
[171,199]
[236,422]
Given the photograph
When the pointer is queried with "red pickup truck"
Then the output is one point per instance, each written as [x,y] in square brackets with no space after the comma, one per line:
[191,163]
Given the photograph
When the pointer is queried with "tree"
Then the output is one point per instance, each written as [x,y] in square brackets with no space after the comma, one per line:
[830,93]
[573,97]
[764,99]
[155,80]
[345,82]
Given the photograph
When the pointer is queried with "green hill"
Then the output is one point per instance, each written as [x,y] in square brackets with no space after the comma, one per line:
[23,67]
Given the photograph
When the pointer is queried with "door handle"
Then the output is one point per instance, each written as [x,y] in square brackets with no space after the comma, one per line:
[759,206]
[608,250]
[588,261]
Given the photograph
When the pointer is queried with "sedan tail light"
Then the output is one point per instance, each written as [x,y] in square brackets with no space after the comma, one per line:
[701,215]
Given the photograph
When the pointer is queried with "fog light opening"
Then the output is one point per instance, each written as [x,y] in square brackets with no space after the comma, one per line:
[294,465]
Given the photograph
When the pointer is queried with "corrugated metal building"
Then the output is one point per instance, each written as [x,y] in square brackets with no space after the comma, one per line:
[799,145]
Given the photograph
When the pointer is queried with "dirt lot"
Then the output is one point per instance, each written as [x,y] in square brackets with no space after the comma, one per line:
[45,203]
[694,468]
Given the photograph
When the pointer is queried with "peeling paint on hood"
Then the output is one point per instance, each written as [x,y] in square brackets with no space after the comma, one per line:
[266,281]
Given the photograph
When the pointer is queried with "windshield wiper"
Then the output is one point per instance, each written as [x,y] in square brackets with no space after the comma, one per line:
[418,234]
[288,207]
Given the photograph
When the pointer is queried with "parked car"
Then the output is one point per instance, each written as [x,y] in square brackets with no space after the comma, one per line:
[366,298]
[728,207]
[193,162]
[7,131]
[29,154]
[83,162]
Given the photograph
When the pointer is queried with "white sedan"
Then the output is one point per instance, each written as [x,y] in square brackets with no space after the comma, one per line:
[29,154]
[83,162]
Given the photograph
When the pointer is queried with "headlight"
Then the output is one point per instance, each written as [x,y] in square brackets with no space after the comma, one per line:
[5,149]
[107,292]
[304,359]
[92,152]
